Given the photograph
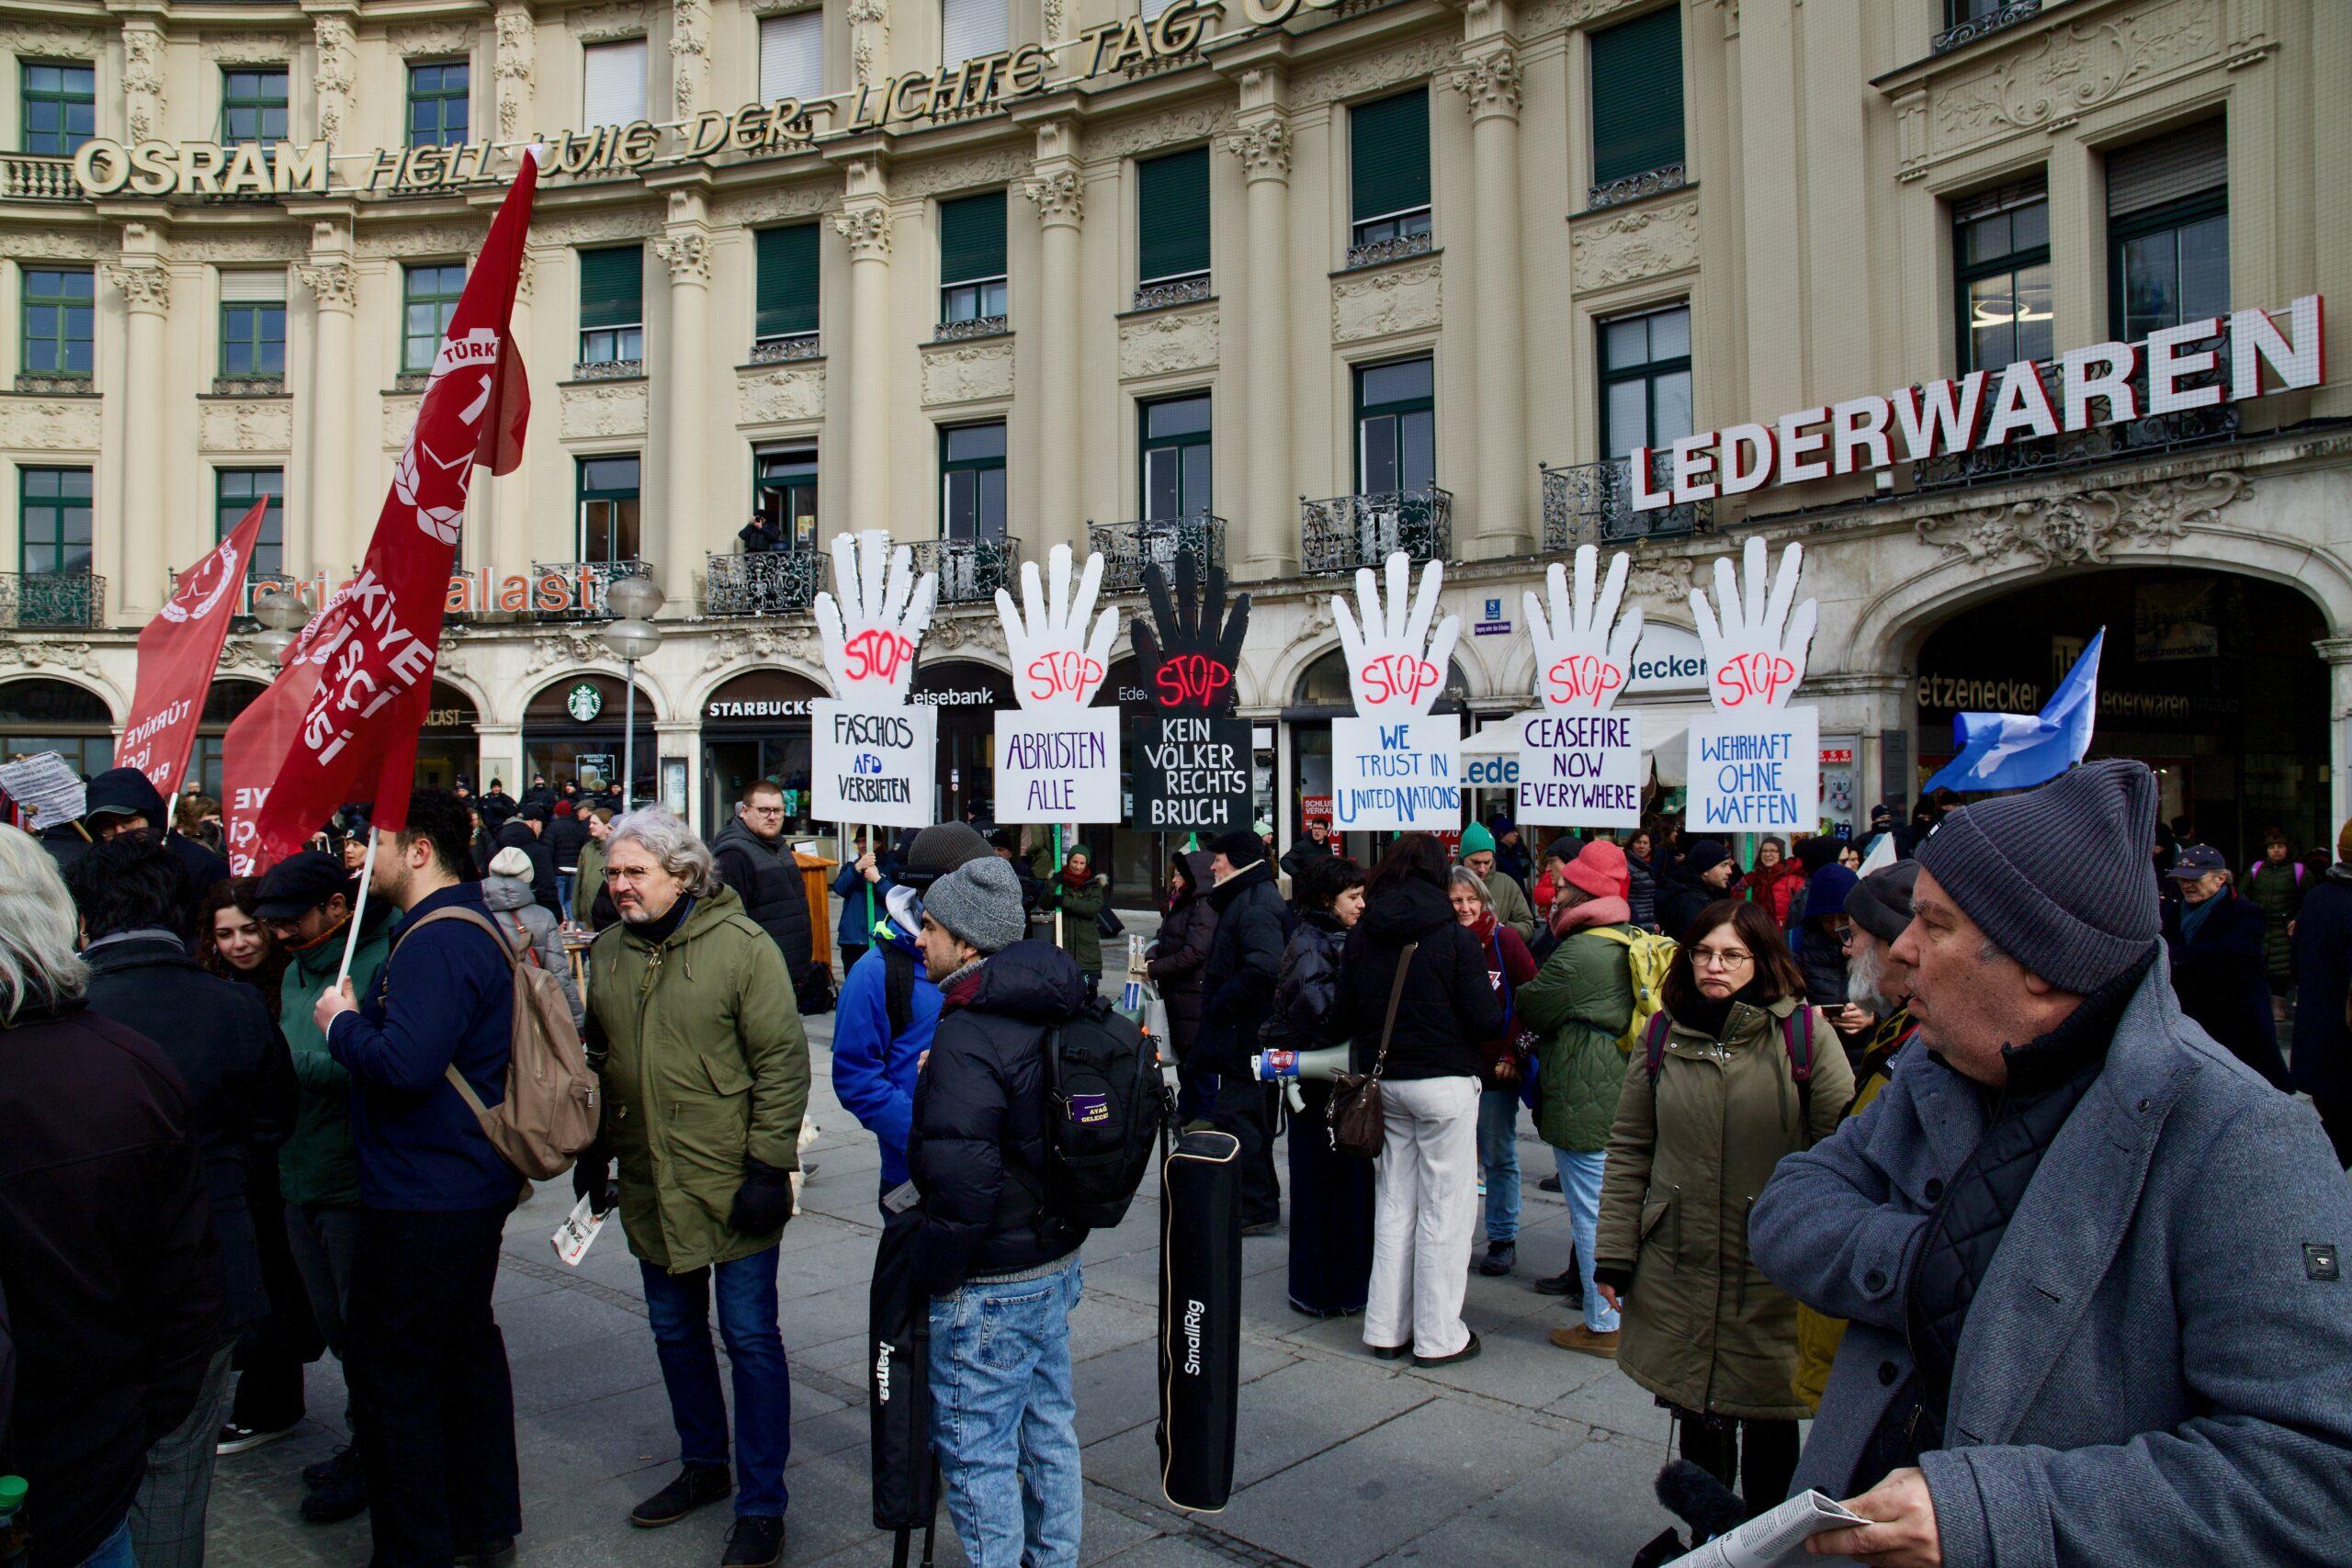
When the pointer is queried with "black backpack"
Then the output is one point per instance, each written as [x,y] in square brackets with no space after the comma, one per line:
[1107,1105]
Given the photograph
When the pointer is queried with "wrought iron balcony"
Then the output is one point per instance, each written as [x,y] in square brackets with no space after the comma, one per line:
[1349,531]
[1592,503]
[590,578]
[1172,291]
[1975,27]
[1633,188]
[2145,437]
[968,570]
[971,327]
[1127,547]
[790,346]
[1372,253]
[609,370]
[767,584]
[25,177]
[58,599]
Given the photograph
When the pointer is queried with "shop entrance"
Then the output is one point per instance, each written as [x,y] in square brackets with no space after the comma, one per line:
[2208,678]
[574,728]
[448,749]
[966,696]
[756,727]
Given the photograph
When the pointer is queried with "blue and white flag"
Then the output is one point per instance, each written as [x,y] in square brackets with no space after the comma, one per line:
[2017,751]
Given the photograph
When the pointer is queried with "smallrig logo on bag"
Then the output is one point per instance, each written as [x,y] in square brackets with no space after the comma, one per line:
[1193,1313]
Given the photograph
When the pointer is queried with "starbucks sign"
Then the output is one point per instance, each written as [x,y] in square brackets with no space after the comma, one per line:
[583,701]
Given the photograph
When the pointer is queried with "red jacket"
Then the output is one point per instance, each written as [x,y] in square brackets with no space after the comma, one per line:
[1775,888]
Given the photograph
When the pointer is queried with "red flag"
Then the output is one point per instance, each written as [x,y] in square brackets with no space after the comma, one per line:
[340,722]
[177,654]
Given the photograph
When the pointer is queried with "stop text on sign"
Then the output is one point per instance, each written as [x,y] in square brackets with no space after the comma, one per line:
[877,655]
[1396,677]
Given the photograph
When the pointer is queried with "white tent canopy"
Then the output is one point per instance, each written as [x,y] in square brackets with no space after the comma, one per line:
[1664,727]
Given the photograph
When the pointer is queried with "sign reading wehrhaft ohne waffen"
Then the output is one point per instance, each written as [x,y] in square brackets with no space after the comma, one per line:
[873,765]
[2186,368]
[1057,756]
[1755,761]
[1193,775]
[1400,774]
[1580,770]
[1057,765]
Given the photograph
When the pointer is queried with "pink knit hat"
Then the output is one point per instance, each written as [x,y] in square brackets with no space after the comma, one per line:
[1599,870]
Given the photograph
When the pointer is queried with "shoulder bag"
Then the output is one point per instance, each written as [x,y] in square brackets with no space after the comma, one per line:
[1358,1121]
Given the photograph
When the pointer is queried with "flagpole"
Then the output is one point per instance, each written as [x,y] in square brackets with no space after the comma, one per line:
[358,907]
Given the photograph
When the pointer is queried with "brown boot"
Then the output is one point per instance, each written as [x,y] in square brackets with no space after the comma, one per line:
[1576,1337]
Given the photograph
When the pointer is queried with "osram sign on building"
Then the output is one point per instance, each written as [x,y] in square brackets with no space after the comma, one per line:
[2185,368]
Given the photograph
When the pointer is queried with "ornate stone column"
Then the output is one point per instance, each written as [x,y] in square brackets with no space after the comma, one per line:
[1059,191]
[330,543]
[1489,82]
[147,295]
[686,525]
[338,68]
[864,222]
[1266,539]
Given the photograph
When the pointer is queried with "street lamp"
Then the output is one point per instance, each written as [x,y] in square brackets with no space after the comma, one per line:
[285,612]
[634,637]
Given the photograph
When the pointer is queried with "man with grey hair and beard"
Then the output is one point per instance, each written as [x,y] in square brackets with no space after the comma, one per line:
[694,1030]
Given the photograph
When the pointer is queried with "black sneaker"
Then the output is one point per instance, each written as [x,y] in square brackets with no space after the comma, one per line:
[1262,1228]
[344,1459]
[1549,1184]
[1502,1258]
[340,1494]
[1468,1352]
[756,1541]
[236,1439]
[497,1552]
[696,1486]
[1567,1283]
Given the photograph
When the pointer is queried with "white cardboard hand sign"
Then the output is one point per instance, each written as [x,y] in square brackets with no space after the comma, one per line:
[1395,665]
[870,635]
[1584,654]
[1055,663]
[1756,649]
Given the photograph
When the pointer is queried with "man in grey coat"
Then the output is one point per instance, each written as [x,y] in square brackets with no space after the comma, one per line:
[2089,1260]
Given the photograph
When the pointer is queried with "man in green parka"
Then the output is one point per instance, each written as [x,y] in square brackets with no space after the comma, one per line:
[695,1032]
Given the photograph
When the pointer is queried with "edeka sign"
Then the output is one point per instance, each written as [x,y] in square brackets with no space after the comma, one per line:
[873,768]
[1580,770]
[1192,775]
[1754,772]
[1057,764]
[1397,774]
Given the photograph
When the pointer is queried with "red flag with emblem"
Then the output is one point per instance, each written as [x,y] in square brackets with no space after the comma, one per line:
[177,654]
[340,722]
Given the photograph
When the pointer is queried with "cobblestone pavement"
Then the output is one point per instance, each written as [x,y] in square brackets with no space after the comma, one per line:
[1527,1455]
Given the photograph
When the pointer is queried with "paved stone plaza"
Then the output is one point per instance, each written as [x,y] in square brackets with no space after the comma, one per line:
[1527,1455]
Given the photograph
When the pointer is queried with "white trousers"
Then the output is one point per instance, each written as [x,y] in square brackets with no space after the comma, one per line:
[1424,1212]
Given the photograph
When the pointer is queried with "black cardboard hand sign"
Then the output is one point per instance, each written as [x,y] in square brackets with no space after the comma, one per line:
[1188,659]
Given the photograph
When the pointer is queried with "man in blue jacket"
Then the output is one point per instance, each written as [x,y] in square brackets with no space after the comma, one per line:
[436,1405]
[889,1007]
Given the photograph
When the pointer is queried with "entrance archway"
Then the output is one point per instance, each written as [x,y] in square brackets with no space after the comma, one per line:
[41,714]
[755,726]
[2209,677]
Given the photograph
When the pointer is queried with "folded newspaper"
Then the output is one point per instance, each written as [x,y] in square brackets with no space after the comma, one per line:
[1776,1540]
[579,1230]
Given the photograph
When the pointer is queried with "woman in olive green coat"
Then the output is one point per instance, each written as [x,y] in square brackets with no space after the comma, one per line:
[1703,1329]
[1080,893]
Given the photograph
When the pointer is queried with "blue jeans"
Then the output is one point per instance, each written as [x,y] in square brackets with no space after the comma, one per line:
[679,1306]
[564,885]
[1004,1419]
[1580,1185]
[115,1550]
[1499,1158]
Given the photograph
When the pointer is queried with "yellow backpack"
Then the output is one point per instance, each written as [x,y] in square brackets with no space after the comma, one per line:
[1648,956]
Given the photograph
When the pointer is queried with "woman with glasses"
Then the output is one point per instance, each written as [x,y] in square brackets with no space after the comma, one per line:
[1711,1102]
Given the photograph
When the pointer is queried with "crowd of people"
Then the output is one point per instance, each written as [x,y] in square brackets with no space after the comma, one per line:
[1924,1155]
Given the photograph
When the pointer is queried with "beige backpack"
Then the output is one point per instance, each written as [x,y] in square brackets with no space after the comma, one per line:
[549,1113]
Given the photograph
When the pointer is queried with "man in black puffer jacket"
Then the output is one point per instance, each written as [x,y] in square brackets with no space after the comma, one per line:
[1178,964]
[756,862]
[526,832]
[1002,1272]
[1237,985]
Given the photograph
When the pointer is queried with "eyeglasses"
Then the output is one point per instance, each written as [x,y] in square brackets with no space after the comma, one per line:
[1721,958]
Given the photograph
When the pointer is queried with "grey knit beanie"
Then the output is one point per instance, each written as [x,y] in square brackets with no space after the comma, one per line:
[940,848]
[2060,875]
[979,902]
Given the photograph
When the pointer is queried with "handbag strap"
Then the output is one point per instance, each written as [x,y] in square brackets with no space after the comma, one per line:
[1396,995]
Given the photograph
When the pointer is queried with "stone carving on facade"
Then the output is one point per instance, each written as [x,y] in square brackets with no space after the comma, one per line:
[32,653]
[1393,299]
[247,48]
[2085,528]
[606,409]
[1148,134]
[334,285]
[234,248]
[607,24]
[1168,342]
[781,396]
[686,254]
[967,373]
[244,653]
[867,230]
[1649,242]
[590,229]
[147,287]
[62,424]
[557,647]
[869,28]
[399,419]
[945,176]
[1263,147]
[526,276]
[1369,74]
[338,64]
[2078,66]
[967,631]
[243,427]
[35,42]
[142,78]
[1490,82]
[1667,579]
[430,38]
[424,241]
[1060,197]
[1551,15]
[517,50]
[767,206]
[690,54]
[795,641]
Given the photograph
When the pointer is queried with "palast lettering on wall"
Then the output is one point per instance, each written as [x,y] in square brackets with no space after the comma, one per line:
[979,85]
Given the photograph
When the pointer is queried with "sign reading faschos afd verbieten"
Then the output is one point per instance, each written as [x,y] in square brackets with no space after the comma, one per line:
[1396,767]
[872,755]
[1580,764]
[1755,761]
[1057,758]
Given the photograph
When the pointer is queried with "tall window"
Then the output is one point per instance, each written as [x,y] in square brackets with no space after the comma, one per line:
[971,28]
[792,55]
[61,106]
[786,293]
[58,318]
[1388,164]
[1637,96]
[1172,217]
[234,491]
[971,481]
[2169,231]
[784,490]
[252,323]
[1176,458]
[608,508]
[53,520]
[1645,380]
[614,78]
[2001,269]
[438,114]
[971,257]
[612,305]
[428,298]
[252,104]
[1395,426]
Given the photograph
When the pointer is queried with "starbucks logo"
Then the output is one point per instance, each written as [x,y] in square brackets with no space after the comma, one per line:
[583,701]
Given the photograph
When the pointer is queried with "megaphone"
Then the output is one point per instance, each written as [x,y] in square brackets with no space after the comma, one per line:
[1280,1067]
